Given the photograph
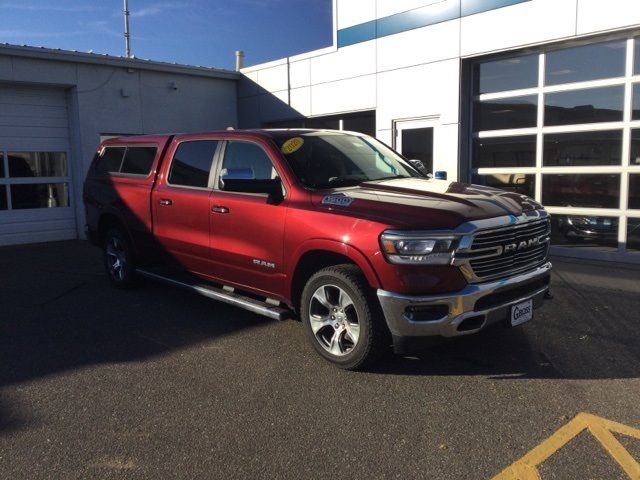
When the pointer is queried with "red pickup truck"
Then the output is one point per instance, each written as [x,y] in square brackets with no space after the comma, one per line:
[331,227]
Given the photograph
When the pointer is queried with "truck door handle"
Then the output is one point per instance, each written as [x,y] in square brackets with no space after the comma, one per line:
[165,201]
[219,209]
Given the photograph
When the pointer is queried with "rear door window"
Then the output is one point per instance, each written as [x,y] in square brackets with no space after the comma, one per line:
[191,163]
[110,160]
[138,160]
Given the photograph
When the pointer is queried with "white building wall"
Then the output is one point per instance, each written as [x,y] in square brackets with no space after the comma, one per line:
[415,73]
[354,12]
[517,26]
[596,15]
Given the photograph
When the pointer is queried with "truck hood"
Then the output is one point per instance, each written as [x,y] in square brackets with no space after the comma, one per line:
[421,203]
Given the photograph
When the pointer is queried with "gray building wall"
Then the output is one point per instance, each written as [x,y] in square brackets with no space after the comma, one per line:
[110,95]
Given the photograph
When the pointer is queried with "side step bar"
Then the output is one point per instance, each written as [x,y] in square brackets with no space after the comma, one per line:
[231,298]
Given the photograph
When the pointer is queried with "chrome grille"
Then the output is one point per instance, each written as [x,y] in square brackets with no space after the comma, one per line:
[487,257]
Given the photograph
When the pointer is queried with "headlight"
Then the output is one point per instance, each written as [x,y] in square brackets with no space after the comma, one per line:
[418,248]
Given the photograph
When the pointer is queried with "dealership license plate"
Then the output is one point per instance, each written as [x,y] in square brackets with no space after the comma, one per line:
[521,313]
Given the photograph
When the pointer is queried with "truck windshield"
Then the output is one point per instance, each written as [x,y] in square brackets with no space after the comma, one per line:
[335,159]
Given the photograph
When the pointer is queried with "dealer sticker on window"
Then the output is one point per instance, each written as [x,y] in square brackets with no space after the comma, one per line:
[292,145]
[521,313]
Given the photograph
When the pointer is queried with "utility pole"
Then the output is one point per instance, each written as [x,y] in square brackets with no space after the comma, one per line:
[127,42]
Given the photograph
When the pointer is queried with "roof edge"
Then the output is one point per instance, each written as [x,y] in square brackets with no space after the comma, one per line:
[60,55]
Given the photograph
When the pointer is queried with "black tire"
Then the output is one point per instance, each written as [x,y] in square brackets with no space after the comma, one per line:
[333,331]
[118,258]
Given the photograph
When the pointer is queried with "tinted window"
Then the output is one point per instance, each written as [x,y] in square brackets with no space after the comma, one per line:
[192,163]
[634,191]
[110,160]
[584,231]
[589,62]
[636,68]
[364,122]
[522,183]
[581,190]
[417,144]
[3,197]
[584,148]
[1,164]
[584,106]
[138,160]
[635,109]
[507,74]
[517,151]
[246,161]
[328,123]
[39,195]
[515,112]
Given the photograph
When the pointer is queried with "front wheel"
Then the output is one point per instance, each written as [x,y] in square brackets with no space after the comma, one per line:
[118,258]
[342,318]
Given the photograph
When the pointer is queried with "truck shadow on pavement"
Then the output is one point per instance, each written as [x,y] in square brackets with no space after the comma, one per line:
[60,314]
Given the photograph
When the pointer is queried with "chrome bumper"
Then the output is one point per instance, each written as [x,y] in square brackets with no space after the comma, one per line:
[461,306]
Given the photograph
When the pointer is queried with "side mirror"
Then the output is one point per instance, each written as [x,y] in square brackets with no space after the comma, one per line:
[418,165]
[273,188]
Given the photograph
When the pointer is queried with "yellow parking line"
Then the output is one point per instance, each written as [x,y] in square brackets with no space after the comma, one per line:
[526,468]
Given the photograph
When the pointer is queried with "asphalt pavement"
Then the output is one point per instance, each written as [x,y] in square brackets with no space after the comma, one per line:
[160,383]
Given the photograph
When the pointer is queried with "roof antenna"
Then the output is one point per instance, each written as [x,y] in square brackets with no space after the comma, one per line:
[127,43]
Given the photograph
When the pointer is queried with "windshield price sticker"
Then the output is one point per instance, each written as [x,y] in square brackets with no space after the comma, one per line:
[337,199]
[292,145]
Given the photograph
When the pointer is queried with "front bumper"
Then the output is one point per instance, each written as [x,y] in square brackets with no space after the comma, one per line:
[467,311]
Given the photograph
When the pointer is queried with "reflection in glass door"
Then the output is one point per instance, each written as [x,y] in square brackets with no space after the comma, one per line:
[562,125]
[415,139]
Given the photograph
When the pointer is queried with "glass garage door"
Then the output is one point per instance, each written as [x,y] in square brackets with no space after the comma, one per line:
[35,176]
[563,126]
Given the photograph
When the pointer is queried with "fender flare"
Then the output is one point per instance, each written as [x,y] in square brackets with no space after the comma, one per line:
[349,251]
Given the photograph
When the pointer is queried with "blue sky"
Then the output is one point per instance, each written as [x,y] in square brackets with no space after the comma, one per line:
[194,32]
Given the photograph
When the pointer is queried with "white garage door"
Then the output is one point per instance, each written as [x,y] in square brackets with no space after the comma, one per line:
[35,169]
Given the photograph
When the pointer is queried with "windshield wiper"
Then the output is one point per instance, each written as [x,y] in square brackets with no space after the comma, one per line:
[391,177]
[343,181]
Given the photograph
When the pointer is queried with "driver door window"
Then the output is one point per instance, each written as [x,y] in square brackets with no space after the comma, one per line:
[246,161]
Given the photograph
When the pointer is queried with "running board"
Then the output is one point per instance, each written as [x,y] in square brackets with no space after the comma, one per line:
[231,298]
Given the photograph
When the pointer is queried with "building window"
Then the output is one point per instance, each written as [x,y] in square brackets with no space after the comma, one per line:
[590,105]
[507,152]
[586,62]
[576,149]
[512,73]
[34,180]
[563,126]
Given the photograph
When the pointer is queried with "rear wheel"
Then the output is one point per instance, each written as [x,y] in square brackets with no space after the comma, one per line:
[342,317]
[118,258]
